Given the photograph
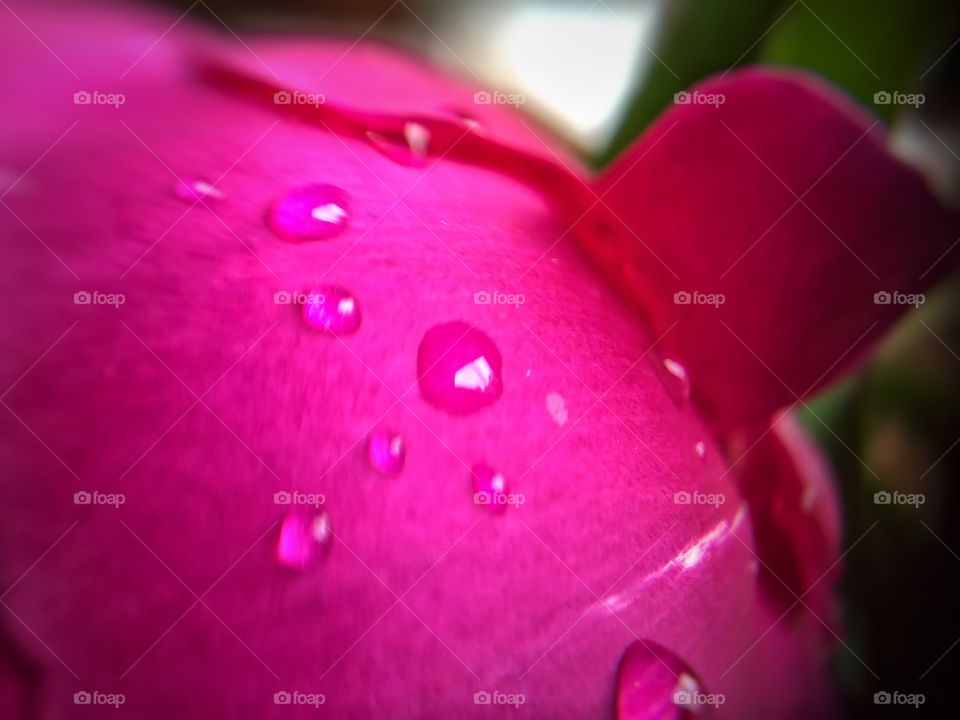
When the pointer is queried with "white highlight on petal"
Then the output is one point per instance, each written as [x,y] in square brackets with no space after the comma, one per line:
[329,213]
[417,137]
[557,408]
[475,375]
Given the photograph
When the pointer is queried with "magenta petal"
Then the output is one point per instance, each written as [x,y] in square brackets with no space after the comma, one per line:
[790,489]
[541,601]
[764,227]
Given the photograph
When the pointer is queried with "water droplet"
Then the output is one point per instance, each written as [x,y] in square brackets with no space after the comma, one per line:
[410,150]
[700,448]
[194,190]
[417,137]
[386,451]
[678,379]
[332,309]
[312,212]
[303,537]
[489,488]
[462,117]
[459,368]
[654,684]
[557,408]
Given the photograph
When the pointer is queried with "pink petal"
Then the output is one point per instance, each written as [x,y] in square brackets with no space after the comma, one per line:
[784,200]
[796,509]
[542,599]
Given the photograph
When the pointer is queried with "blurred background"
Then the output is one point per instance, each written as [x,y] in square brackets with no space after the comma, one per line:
[598,73]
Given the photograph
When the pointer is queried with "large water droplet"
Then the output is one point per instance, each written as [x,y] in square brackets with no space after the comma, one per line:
[654,684]
[194,190]
[312,212]
[303,537]
[459,368]
[332,309]
[410,149]
[386,451]
[489,488]
[700,448]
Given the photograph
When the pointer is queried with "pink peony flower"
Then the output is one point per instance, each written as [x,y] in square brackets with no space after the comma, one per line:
[326,387]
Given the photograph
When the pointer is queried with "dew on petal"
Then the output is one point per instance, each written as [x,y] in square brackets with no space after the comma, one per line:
[332,309]
[678,380]
[304,536]
[410,149]
[462,117]
[386,451]
[653,683]
[417,137]
[459,368]
[312,212]
[489,488]
[194,190]
[557,408]
[700,448]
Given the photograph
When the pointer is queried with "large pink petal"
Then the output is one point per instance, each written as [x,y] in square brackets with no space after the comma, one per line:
[773,190]
[542,600]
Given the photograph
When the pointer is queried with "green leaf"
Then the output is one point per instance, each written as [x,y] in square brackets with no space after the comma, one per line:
[864,46]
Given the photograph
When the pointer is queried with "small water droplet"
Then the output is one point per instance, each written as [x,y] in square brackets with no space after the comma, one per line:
[489,488]
[459,368]
[332,309]
[678,379]
[386,451]
[654,684]
[700,448]
[557,408]
[303,537]
[410,150]
[417,137]
[312,212]
[194,190]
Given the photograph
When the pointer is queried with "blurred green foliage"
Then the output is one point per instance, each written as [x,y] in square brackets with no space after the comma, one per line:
[863,46]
